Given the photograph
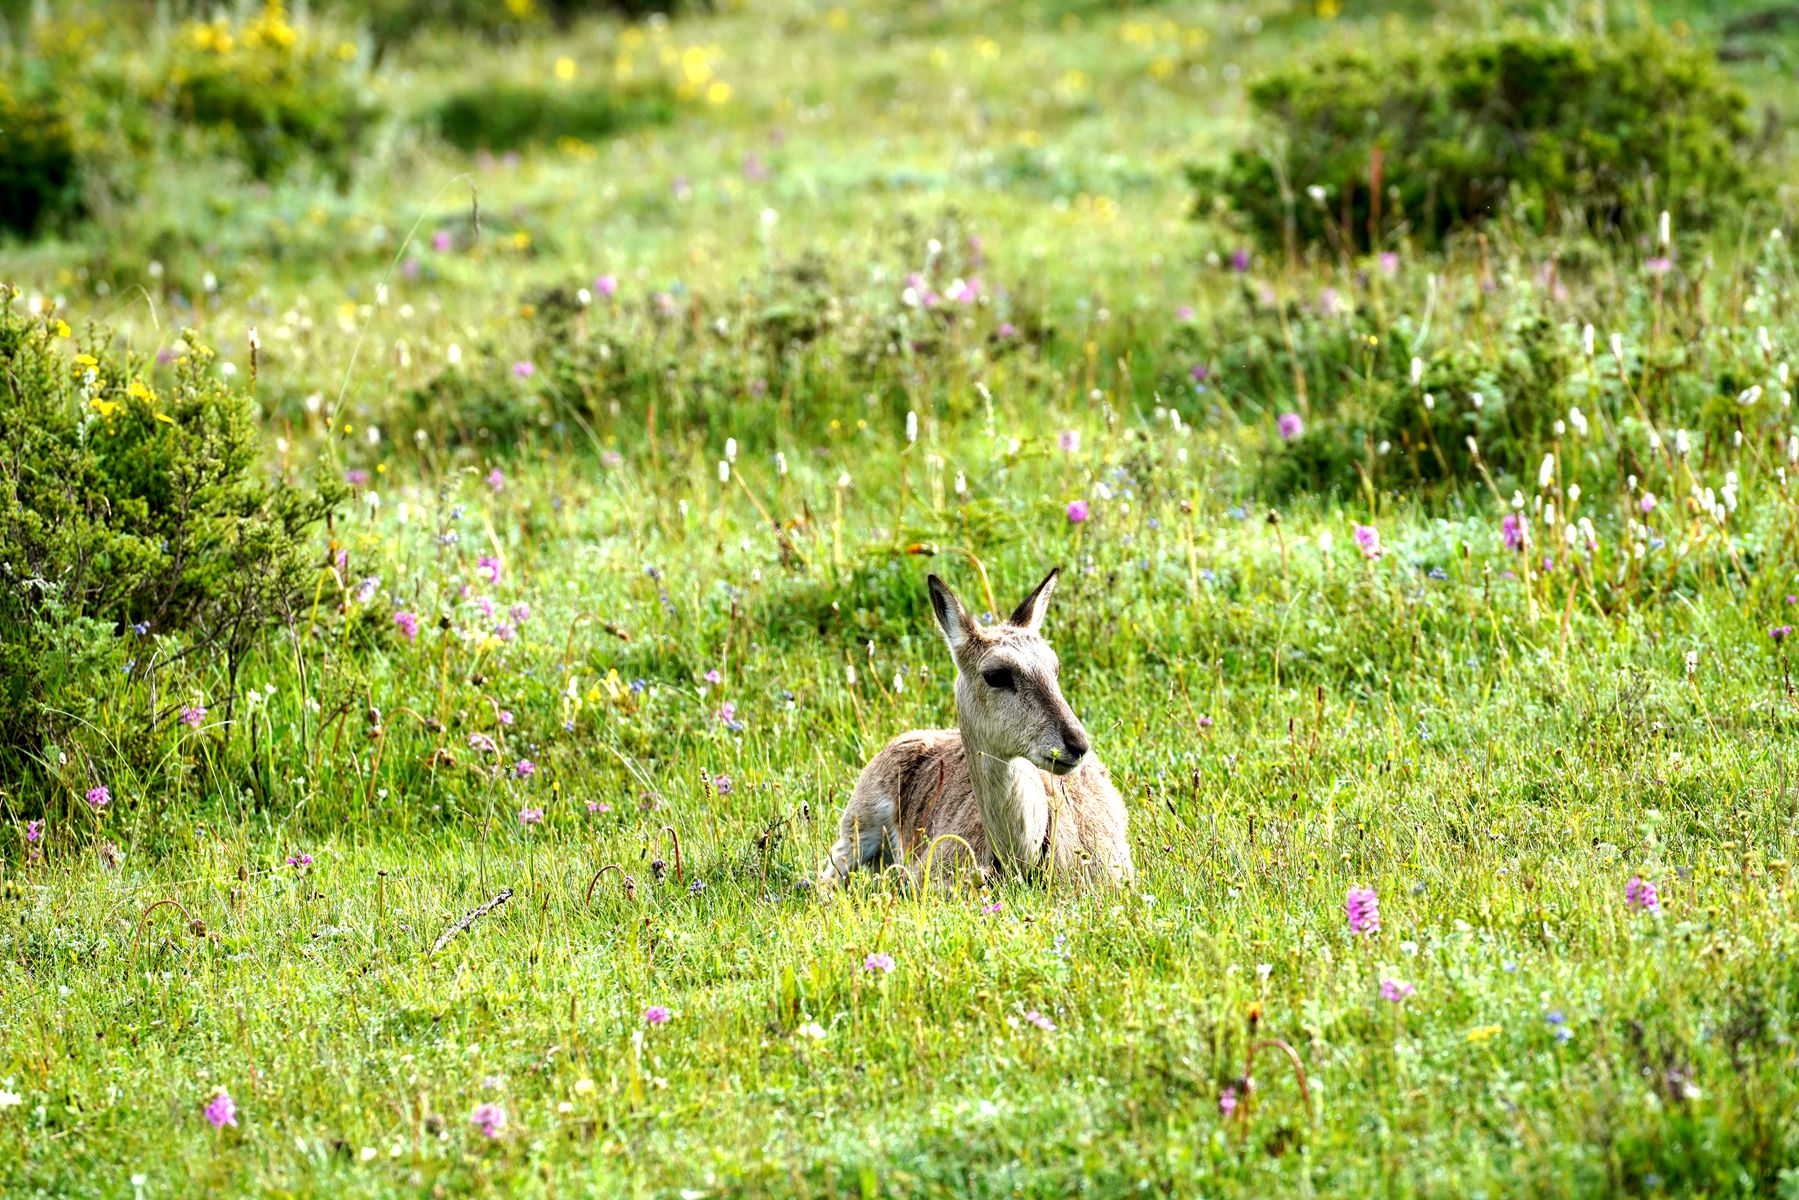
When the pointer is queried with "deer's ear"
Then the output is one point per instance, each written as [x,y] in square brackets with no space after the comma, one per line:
[952,618]
[1029,613]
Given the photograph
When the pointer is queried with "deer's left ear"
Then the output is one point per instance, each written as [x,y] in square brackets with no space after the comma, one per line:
[1029,613]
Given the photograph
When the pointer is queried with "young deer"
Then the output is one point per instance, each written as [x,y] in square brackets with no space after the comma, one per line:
[1016,781]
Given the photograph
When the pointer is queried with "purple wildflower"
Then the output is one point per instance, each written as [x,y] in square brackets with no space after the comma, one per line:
[34,831]
[1227,1099]
[713,677]
[222,1110]
[489,566]
[356,477]
[193,714]
[1077,511]
[1290,426]
[1368,538]
[1647,503]
[489,1118]
[721,783]
[1780,633]
[441,240]
[1070,441]
[1362,907]
[606,285]
[1640,893]
[530,816]
[524,368]
[296,861]
[1040,1021]
[1511,527]
[727,713]
[1395,990]
[878,961]
[1239,261]
[656,1014]
[408,624]
[524,768]
[99,797]
[496,479]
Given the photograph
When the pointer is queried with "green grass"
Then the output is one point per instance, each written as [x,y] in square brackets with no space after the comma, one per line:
[1496,747]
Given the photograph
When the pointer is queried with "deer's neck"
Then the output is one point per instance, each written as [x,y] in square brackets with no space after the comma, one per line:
[1014,807]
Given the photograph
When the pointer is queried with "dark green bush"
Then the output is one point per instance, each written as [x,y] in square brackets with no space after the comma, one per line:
[40,170]
[395,21]
[1549,129]
[128,499]
[504,116]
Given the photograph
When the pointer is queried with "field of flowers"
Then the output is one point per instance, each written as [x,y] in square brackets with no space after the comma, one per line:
[469,480]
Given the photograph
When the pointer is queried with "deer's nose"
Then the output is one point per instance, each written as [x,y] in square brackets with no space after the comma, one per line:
[1074,748]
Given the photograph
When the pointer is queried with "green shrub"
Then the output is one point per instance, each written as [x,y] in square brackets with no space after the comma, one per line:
[504,116]
[395,21]
[1550,129]
[128,499]
[40,171]
[276,94]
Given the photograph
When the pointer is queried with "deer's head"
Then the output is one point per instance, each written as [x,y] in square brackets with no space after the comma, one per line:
[1008,700]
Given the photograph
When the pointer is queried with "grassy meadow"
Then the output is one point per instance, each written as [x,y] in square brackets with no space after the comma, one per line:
[1464,573]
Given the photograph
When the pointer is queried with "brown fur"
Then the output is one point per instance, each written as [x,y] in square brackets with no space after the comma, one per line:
[919,802]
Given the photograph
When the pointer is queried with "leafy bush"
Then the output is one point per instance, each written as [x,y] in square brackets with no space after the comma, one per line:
[127,499]
[503,116]
[1550,128]
[40,171]
[277,94]
[393,21]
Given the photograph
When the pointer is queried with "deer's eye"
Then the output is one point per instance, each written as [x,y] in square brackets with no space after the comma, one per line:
[999,679]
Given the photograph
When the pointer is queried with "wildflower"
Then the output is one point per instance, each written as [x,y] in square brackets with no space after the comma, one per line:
[1368,538]
[520,613]
[441,241]
[530,816]
[1204,721]
[812,1030]
[1647,503]
[1780,633]
[713,677]
[878,961]
[1640,893]
[1077,511]
[727,714]
[1227,1100]
[1199,372]
[356,477]
[1239,261]
[1040,1021]
[408,624]
[721,783]
[506,717]
[496,479]
[1512,528]
[99,797]
[1070,441]
[296,861]
[1184,313]
[1290,426]
[606,285]
[489,1118]
[193,714]
[656,1014]
[1395,990]
[524,768]
[1482,1033]
[222,1110]
[524,369]
[1362,907]
[991,909]
[489,566]
[34,831]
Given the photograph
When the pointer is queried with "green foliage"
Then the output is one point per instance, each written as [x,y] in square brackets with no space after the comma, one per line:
[394,21]
[1549,129]
[505,116]
[276,94]
[127,499]
[40,169]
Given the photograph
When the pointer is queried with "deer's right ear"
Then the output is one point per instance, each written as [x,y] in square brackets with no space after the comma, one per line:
[952,618]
